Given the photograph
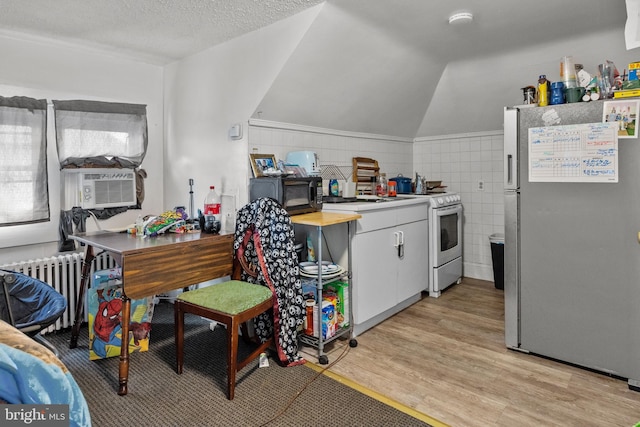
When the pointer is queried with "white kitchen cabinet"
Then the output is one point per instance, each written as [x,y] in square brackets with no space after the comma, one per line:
[385,283]
[374,273]
[413,270]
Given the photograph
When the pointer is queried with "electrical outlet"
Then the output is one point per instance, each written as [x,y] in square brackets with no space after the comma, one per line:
[480,185]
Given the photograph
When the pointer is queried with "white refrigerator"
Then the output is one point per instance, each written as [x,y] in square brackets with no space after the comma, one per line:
[572,251]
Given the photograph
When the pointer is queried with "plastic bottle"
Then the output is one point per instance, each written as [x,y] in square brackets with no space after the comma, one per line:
[139,226]
[212,204]
[568,72]
[316,330]
[543,91]
[308,321]
[334,188]
[311,253]
[557,93]
[381,185]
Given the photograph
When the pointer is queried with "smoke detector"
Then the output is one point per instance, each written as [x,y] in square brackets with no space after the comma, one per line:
[461,18]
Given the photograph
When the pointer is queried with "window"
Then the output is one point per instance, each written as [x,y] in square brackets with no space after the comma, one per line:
[24,196]
[93,133]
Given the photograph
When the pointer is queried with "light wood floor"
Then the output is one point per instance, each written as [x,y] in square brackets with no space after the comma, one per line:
[445,357]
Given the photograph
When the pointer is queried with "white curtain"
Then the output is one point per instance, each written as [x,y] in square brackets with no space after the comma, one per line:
[107,134]
[24,196]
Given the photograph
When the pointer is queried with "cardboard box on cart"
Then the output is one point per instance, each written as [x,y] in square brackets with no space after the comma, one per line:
[341,290]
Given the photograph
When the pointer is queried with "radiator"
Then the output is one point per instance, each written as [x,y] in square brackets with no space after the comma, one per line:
[63,273]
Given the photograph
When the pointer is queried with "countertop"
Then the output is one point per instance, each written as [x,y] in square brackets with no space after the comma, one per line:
[320,219]
[378,204]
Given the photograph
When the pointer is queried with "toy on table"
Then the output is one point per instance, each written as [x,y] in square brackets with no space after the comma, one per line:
[169,220]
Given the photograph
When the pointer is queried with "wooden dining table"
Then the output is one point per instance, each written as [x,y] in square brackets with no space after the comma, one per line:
[151,266]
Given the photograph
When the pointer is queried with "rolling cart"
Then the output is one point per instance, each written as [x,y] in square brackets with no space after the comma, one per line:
[320,220]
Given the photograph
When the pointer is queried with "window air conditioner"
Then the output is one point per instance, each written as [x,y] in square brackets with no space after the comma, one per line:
[99,188]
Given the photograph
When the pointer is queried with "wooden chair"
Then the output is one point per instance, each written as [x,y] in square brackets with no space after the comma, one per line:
[232,303]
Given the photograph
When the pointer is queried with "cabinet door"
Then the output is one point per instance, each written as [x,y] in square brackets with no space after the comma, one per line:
[413,270]
[374,273]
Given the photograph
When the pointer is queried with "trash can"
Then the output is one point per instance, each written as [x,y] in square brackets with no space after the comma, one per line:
[497,256]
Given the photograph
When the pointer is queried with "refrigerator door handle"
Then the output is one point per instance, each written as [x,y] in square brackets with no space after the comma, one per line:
[511,148]
[511,269]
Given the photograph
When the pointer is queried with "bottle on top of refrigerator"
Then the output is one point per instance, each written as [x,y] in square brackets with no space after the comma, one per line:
[543,88]
[212,204]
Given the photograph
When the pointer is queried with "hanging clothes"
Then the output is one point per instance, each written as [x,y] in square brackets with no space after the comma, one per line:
[264,246]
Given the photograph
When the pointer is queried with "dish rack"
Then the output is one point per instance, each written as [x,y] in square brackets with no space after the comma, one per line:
[331,172]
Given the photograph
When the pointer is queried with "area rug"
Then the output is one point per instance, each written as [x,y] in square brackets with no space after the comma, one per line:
[264,396]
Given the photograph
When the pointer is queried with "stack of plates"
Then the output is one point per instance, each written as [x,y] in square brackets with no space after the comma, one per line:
[329,269]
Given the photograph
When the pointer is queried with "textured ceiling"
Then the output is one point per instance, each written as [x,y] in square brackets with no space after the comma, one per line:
[162,31]
[373,66]
[155,31]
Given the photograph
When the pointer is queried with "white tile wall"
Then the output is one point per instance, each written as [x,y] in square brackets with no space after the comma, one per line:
[461,162]
[335,148]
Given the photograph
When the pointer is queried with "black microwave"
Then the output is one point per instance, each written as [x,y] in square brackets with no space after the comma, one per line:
[296,194]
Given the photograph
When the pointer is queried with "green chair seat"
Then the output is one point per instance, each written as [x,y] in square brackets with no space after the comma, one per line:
[230,297]
[232,303]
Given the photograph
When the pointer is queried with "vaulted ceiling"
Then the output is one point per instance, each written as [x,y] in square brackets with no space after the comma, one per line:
[363,65]
[375,66]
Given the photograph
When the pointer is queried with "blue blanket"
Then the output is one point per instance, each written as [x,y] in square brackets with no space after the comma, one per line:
[27,379]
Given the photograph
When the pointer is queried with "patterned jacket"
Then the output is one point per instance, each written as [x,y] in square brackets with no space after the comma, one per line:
[264,246]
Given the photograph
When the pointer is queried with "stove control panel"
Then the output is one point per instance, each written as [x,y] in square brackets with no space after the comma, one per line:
[445,200]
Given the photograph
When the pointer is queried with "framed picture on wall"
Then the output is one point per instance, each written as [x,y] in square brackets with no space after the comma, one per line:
[262,164]
[625,113]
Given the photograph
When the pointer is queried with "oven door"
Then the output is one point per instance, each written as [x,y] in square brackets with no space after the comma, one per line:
[447,234]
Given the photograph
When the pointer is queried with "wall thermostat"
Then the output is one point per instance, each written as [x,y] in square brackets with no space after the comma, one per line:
[236,131]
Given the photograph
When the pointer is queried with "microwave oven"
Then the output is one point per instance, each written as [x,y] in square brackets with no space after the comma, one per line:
[297,195]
